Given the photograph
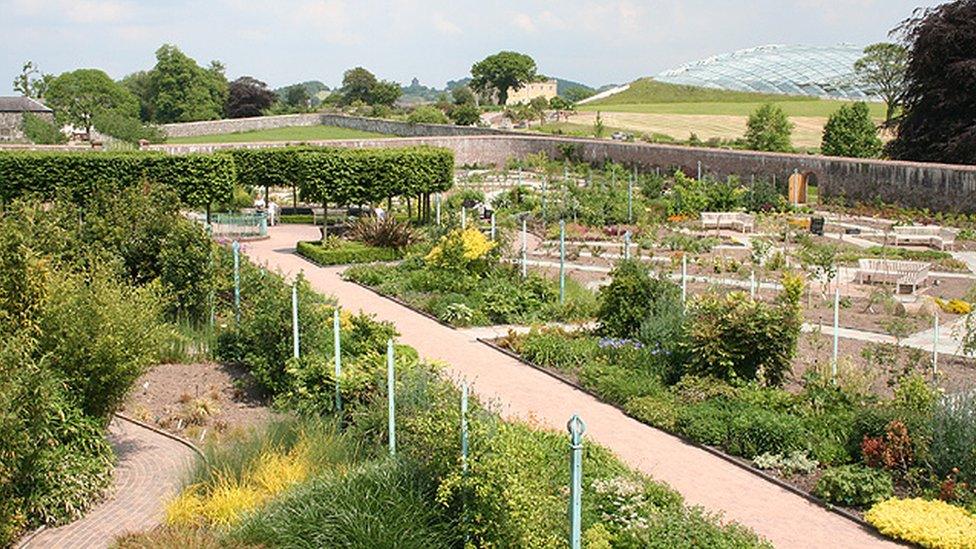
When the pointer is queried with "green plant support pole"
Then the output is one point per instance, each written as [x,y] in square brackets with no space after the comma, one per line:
[562,261]
[630,200]
[576,429]
[464,427]
[544,197]
[236,247]
[935,345]
[520,176]
[294,321]
[437,202]
[391,402]
[492,226]
[525,249]
[684,277]
[627,245]
[833,363]
[699,170]
[337,346]
[464,218]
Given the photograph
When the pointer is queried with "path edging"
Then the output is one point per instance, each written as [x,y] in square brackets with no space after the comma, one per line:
[711,450]
[166,434]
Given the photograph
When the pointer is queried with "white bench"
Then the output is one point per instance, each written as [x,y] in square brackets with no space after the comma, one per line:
[739,221]
[907,274]
[925,235]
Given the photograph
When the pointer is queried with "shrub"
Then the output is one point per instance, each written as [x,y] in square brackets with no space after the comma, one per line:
[794,462]
[953,433]
[426,114]
[461,250]
[850,132]
[388,232]
[933,524]
[187,271]
[343,252]
[854,486]
[632,296]
[617,383]
[769,129]
[659,410]
[737,338]
[755,431]
[41,132]
[705,422]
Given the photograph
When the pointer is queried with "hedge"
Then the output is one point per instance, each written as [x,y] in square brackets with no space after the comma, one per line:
[199,179]
[345,253]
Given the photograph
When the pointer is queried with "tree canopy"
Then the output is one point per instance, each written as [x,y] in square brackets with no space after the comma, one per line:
[501,73]
[31,82]
[882,69]
[358,84]
[769,129]
[248,96]
[180,90]
[939,119]
[850,132]
[77,97]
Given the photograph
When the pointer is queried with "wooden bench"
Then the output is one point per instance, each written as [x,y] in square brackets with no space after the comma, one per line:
[902,274]
[739,221]
[925,235]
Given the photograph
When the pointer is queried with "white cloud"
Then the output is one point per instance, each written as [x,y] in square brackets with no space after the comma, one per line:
[524,22]
[77,11]
[445,25]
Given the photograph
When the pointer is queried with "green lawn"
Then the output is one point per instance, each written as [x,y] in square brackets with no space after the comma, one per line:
[647,90]
[299,133]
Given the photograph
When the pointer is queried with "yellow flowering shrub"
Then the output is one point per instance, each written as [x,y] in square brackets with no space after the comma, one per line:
[928,523]
[954,306]
[224,502]
[458,248]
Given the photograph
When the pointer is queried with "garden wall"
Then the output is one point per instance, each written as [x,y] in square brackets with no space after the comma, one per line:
[377,125]
[935,186]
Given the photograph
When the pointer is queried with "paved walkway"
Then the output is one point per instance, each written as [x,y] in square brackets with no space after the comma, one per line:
[149,471]
[781,516]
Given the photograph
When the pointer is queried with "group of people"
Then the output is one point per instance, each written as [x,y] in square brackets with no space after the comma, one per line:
[271,208]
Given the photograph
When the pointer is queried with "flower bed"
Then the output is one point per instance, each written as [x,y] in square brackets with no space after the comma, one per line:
[336,251]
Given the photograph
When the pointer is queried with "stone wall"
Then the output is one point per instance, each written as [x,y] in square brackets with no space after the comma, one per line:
[377,125]
[12,124]
[935,186]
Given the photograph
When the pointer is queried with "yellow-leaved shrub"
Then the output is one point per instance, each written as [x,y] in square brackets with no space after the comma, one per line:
[928,523]
[460,246]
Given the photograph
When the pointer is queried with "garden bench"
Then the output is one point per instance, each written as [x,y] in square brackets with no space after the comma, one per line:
[739,221]
[925,235]
[903,274]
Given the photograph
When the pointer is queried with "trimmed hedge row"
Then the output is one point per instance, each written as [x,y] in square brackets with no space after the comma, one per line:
[335,175]
[346,253]
[199,179]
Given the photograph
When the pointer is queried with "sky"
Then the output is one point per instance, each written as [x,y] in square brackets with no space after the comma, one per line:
[281,42]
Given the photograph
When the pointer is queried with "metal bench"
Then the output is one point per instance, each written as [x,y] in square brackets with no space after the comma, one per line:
[739,221]
[902,274]
[925,235]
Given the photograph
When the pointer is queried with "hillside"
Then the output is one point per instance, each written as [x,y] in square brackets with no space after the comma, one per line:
[650,91]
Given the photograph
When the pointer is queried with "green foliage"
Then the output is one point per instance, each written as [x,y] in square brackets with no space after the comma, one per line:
[850,132]
[769,129]
[337,251]
[465,114]
[883,69]
[126,128]
[179,90]
[501,73]
[689,196]
[77,97]
[41,132]
[736,338]
[854,486]
[633,296]
[426,114]
[953,432]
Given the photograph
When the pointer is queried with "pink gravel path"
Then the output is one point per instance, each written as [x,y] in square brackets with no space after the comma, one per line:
[784,518]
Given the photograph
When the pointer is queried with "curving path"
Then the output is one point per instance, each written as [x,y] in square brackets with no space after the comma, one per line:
[784,518]
[149,471]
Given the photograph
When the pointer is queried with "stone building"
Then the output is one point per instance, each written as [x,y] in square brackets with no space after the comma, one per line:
[12,111]
[531,90]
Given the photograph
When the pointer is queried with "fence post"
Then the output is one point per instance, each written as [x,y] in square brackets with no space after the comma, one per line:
[935,345]
[294,320]
[699,170]
[493,225]
[525,249]
[562,261]
[337,344]
[437,203]
[833,363]
[236,247]
[576,429]
[391,408]
[464,427]
[684,277]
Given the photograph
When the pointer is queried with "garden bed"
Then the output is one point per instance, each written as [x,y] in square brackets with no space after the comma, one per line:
[337,251]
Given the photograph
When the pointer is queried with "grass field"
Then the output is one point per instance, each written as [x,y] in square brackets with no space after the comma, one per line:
[300,133]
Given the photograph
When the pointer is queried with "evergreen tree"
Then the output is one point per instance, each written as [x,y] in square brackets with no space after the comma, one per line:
[850,132]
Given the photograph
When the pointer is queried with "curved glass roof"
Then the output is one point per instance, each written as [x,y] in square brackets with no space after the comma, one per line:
[822,71]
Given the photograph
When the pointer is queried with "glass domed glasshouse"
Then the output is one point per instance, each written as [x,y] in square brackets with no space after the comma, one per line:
[821,71]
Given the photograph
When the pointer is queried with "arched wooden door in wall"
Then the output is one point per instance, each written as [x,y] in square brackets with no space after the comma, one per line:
[797,193]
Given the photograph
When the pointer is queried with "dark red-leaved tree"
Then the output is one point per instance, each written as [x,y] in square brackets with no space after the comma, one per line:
[939,119]
[248,96]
